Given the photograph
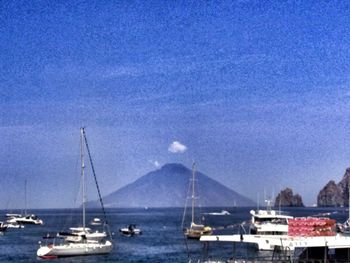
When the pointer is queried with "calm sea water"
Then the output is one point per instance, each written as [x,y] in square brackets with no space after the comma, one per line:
[162,239]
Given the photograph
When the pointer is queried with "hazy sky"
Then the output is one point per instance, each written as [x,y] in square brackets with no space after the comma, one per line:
[257,92]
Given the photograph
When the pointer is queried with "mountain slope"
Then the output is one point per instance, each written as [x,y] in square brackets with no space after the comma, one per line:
[168,187]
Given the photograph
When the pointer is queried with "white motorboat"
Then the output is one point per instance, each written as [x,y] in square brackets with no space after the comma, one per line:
[195,231]
[96,222]
[265,225]
[80,241]
[131,230]
[23,219]
[222,213]
[269,221]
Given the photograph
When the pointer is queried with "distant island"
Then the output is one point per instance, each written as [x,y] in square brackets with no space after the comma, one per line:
[335,194]
[168,187]
[286,198]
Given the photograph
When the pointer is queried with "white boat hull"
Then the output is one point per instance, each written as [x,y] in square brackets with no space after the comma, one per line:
[262,242]
[74,249]
[12,225]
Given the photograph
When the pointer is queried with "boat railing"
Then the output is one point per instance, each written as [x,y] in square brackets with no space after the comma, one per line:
[271,213]
[282,213]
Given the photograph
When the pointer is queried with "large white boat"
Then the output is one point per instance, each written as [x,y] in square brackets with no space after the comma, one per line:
[195,231]
[80,241]
[19,219]
[299,249]
[265,224]
[304,228]
[309,239]
[269,221]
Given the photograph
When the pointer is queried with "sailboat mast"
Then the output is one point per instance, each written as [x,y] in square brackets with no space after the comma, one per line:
[82,172]
[25,197]
[193,197]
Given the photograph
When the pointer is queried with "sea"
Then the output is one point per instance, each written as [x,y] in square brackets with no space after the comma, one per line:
[162,238]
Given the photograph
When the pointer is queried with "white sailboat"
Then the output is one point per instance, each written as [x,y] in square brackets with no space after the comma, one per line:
[195,231]
[17,220]
[80,241]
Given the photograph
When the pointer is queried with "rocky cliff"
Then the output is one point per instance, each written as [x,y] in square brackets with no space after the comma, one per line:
[287,198]
[335,194]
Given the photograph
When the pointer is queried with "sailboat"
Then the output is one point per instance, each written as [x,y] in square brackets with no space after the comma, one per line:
[80,241]
[17,220]
[195,231]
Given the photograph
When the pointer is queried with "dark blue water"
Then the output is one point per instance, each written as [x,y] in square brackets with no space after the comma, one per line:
[162,239]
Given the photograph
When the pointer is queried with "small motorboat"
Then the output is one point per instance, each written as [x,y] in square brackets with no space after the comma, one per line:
[131,230]
[222,213]
[96,222]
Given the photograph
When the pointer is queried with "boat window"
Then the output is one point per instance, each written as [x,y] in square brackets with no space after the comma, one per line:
[281,221]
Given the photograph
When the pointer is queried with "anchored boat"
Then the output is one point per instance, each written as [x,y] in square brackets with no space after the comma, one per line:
[269,221]
[80,241]
[195,231]
[96,222]
[131,230]
[17,220]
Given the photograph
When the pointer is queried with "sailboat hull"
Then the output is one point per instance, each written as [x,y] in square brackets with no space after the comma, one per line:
[196,233]
[74,249]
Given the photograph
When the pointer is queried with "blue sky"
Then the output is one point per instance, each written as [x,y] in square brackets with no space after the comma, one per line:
[257,91]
